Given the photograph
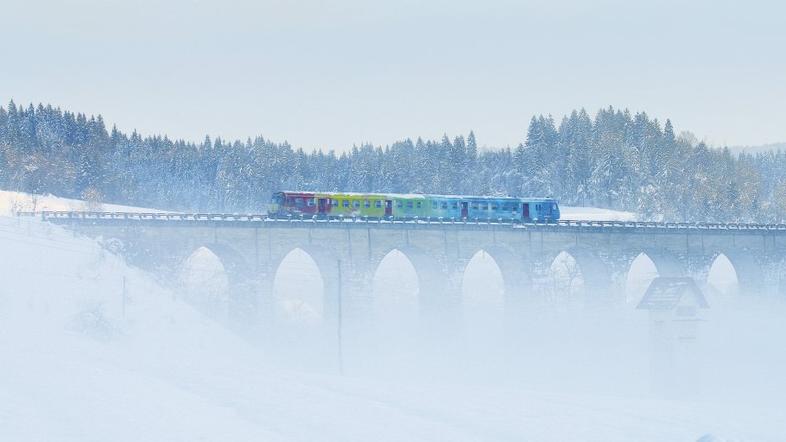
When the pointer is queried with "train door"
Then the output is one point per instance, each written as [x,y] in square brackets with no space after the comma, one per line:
[322,206]
[388,208]
[526,211]
[464,210]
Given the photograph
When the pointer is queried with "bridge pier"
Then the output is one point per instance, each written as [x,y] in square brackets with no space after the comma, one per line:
[354,315]
[244,307]
[265,315]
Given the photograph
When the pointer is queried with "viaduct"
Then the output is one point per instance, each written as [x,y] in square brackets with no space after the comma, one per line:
[348,252]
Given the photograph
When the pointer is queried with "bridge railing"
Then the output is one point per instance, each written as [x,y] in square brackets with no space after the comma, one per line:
[236,217]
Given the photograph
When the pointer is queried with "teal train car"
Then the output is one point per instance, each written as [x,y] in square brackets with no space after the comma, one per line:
[395,206]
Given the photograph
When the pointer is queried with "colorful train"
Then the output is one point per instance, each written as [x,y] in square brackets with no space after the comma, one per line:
[411,206]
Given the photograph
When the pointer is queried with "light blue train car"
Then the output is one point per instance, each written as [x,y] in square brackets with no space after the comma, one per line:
[492,208]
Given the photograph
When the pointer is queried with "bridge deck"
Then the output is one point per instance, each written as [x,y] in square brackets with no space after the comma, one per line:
[261,220]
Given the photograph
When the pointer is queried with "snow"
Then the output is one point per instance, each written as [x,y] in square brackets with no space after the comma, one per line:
[594,214]
[83,360]
[12,202]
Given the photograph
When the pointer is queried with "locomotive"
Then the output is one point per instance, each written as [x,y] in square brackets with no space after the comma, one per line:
[395,206]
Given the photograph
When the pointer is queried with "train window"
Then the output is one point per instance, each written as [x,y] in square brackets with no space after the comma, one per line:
[455,205]
[335,203]
[299,202]
[356,204]
[474,206]
[309,202]
[445,205]
[399,204]
[378,204]
[409,204]
[345,203]
[366,203]
[434,205]
[483,206]
[419,204]
[494,206]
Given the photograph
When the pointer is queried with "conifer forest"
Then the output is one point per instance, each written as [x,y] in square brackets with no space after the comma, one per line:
[614,159]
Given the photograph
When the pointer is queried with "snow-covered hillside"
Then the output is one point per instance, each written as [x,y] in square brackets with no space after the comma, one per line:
[12,202]
[93,350]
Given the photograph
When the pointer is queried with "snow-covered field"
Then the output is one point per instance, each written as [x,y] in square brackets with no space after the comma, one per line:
[93,350]
[12,202]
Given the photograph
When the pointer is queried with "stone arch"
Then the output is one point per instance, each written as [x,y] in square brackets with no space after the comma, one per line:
[431,277]
[241,301]
[204,283]
[235,265]
[494,287]
[749,272]
[513,268]
[395,286]
[595,273]
[664,262]
[328,266]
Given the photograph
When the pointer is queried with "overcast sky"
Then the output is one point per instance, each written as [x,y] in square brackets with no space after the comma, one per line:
[332,74]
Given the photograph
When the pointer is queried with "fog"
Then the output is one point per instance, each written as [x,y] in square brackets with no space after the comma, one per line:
[560,346]
[93,349]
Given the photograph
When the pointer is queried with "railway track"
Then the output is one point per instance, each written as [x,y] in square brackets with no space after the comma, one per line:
[87,216]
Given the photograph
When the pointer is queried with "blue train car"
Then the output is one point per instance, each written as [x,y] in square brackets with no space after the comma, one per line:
[494,208]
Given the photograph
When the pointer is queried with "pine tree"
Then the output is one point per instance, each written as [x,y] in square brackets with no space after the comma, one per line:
[618,160]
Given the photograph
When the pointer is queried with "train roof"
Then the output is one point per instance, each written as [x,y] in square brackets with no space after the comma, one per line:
[421,196]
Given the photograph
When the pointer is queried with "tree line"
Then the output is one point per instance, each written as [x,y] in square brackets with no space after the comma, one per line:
[616,160]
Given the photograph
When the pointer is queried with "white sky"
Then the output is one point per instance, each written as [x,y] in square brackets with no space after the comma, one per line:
[332,74]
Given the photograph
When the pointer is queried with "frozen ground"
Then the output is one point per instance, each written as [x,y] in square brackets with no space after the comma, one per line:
[82,359]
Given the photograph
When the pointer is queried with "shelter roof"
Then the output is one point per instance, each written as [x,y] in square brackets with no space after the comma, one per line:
[666,293]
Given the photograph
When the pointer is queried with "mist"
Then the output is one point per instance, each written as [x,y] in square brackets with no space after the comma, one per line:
[95,349]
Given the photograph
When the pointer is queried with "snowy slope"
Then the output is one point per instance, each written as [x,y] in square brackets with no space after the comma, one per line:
[80,364]
[12,202]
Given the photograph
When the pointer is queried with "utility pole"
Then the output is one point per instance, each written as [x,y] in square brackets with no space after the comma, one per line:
[123,305]
[339,318]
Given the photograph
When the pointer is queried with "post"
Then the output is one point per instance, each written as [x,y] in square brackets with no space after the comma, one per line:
[123,304]
[339,325]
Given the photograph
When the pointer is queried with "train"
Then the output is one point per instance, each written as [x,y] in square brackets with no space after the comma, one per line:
[395,206]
